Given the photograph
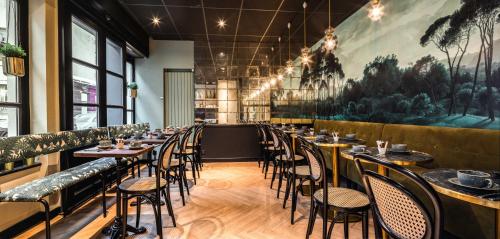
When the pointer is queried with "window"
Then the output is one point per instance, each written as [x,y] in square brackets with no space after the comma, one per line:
[10,103]
[115,83]
[85,76]
[129,67]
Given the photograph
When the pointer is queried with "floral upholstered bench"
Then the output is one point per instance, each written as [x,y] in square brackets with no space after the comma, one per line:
[20,147]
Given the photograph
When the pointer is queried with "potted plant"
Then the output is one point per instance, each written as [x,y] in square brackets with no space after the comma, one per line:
[133,89]
[13,59]
[9,165]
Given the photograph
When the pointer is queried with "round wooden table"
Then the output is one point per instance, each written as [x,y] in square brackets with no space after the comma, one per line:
[439,180]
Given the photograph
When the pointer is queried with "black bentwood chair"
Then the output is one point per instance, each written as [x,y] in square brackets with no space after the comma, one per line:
[146,187]
[186,154]
[343,201]
[400,212]
[271,151]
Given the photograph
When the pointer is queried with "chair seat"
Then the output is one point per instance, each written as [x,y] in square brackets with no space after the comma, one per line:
[302,170]
[283,157]
[141,185]
[343,198]
[187,151]
[173,163]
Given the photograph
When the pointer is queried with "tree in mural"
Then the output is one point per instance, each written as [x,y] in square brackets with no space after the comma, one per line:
[333,70]
[483,14]
[453,45]
[426,75]
[381,77]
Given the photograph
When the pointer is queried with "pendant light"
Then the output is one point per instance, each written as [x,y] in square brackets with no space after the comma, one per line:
[279,76]
[304,52]
[272,77]
[331,42]
[289,63]
[376,10]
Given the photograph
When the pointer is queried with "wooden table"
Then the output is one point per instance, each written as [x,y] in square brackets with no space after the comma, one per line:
[403,159]
[152,141]
[439,180]
[116,229]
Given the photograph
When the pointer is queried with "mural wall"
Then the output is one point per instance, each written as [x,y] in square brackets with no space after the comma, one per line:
[426,62]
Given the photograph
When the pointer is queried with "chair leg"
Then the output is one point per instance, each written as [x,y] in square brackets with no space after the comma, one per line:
[138,211]
[287,192]
[275,168]
[46,208]
[325,219]
[311,210]
[346,225]
[185,179]
[365,225]
[378,230]
[280,177]
[313,219]
[159,223]
[181,185]
[138,167]
[124,215]
[193,168]
[295,195]
[330,230]
[166,194]
[104,207]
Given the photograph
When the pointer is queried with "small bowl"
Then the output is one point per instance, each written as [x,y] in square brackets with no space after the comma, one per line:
[474,178]
[350,136]
[358,148]
[399,147]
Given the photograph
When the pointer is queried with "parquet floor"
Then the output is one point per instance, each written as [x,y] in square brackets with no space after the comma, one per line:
[231,200]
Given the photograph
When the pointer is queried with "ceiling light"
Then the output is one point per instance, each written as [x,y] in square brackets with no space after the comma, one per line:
[376,11]
[155,21]
[304,52]
[221,54]
[221,23]
[330,40]
[273,81]
[289,67]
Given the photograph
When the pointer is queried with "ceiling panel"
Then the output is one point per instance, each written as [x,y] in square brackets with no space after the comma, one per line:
[186,21]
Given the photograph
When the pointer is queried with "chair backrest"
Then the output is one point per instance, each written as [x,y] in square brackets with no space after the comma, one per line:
[185,138]
[315,159]
[197,135]
[166,151]
[400,212]
[274,135]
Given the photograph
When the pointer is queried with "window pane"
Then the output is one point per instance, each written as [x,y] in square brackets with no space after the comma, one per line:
[8,87]
[114,90]
[84,84]
[8,11]
[114,60]
[8,121]
[84,42]
[115,116]
[130,117]
[84,117]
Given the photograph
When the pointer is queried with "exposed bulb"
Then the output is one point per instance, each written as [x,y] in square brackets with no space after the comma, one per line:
[273,81]
[305,58]
[289,67]
[331,42]
[376,11]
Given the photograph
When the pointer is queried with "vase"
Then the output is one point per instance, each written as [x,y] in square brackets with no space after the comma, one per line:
[9,166]
[29,161]
[133,93]
[13,66]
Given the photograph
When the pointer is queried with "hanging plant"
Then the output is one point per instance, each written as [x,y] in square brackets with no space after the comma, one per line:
[133,89]
[13,59]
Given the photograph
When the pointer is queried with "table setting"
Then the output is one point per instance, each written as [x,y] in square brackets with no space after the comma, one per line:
[397,153]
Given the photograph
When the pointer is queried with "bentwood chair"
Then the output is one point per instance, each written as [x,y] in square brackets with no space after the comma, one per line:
[146,187]
[196,146]
[284,160]
[186,154]
[343,201]
[271,151]
[396,209]
[263,142]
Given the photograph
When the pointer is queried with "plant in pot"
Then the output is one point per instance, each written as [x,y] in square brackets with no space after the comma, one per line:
[133,89]
[8,165]
[12,59]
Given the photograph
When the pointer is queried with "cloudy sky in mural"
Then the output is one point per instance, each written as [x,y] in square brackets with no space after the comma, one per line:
[398,33]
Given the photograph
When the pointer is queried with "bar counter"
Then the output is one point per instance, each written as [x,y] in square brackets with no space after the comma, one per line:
[230,143]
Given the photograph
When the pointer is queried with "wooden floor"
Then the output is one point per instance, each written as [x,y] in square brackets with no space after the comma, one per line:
[231,200]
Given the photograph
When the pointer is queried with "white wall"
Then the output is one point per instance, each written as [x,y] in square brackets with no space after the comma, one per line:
[149,77]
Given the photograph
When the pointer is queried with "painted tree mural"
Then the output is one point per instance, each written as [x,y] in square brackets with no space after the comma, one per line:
[441,67]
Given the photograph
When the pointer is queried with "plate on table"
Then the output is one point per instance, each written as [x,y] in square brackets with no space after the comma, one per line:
[105,147]
[395,151]
[359,152]
[496,186]
[349,139]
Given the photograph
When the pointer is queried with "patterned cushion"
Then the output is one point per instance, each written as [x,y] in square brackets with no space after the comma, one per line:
[37,189]
[301,170]
[343,197]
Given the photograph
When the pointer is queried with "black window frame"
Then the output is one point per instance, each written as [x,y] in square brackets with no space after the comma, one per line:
[22,103]
[66,79]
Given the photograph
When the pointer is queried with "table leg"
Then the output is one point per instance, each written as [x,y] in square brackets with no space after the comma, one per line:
[335,166]
[497,229]
[115,231]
